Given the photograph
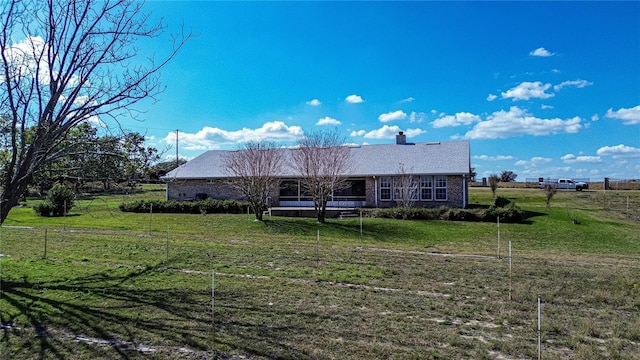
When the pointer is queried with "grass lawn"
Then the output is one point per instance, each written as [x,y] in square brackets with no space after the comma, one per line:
[102,284]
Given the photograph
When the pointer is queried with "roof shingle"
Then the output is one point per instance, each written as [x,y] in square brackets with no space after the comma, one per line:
[437,158]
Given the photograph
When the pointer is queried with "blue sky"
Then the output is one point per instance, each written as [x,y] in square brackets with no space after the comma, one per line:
[544,89]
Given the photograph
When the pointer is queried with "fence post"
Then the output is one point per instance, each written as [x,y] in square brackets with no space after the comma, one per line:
[150,218]
[510,283]
[213,304]
[539,327]
[360,224]
[45,244]
[64,226]
[498,236]
[318,249]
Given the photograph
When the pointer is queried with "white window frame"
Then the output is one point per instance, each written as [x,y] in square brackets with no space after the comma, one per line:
[429,186]
[388,182]
[397,188]
[415,188]
[437,185]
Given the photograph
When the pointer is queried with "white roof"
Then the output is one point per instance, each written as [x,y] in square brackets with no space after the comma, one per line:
[437,158]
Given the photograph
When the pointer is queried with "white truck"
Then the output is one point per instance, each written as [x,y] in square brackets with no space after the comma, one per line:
[565,184]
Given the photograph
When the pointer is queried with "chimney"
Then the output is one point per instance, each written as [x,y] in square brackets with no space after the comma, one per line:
[401,139]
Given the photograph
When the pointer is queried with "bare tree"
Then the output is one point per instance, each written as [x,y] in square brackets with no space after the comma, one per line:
[255,171]
[494,179]
[322,161]
[549,192]
[77,61]
[406,189]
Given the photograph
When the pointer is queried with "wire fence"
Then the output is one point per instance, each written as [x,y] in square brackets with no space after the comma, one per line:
[622,184]
[172,248]
[536,182]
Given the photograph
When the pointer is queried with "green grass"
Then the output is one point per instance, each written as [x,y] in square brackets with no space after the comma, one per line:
[123,285]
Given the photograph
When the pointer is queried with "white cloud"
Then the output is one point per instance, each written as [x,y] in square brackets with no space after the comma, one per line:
[516,121]
[461,118]
[542,52]
[21,56]
[357,133]
[392,115]
[328,121]
[528,90]
[216,138]
[417,117]
[493,158]
[407,100]
[385,132]
[172,157]
[619,151]
[491,97]
[389,132]
[595,117]
[314,102]
[577,83]
[545,107]
[534,161]
[572,159]
[414,132]
[628,116]
[354,99]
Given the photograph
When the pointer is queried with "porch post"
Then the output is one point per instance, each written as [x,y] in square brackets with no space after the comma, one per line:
[464,191]
[375,190]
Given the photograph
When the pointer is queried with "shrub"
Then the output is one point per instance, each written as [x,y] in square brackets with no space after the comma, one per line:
[43,209]
[59,201]
[501,201]
[210,206]
[510,213]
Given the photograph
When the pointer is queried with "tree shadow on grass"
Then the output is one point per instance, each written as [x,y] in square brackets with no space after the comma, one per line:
[527,216]
[125,313]
[384,231]
[101,306]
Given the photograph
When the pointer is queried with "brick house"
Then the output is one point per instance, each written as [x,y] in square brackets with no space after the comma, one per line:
[439,172]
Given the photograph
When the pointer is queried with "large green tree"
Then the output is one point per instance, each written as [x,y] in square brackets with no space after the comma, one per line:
[508,176]
[93,158]
[63,62]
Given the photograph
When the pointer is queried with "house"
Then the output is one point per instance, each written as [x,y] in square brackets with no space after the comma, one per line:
[439,172]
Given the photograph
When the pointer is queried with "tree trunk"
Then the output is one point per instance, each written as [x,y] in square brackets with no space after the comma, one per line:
[259,215]
[257,209]
[11,197]
[322,213]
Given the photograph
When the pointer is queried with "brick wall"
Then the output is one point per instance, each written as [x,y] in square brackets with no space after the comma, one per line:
[370,191]
[188,189]
[220,189]
[455,195]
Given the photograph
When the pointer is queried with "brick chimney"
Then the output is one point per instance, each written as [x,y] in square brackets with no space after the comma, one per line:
[401,139]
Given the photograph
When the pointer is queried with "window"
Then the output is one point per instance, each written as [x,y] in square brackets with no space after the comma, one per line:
[356,190]
[405,187]
[398,190]
[414,192]
[289,189]
[426,188]
[385,188]
[441,188]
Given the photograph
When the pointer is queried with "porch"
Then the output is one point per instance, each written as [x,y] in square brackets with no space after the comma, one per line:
[299,211]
